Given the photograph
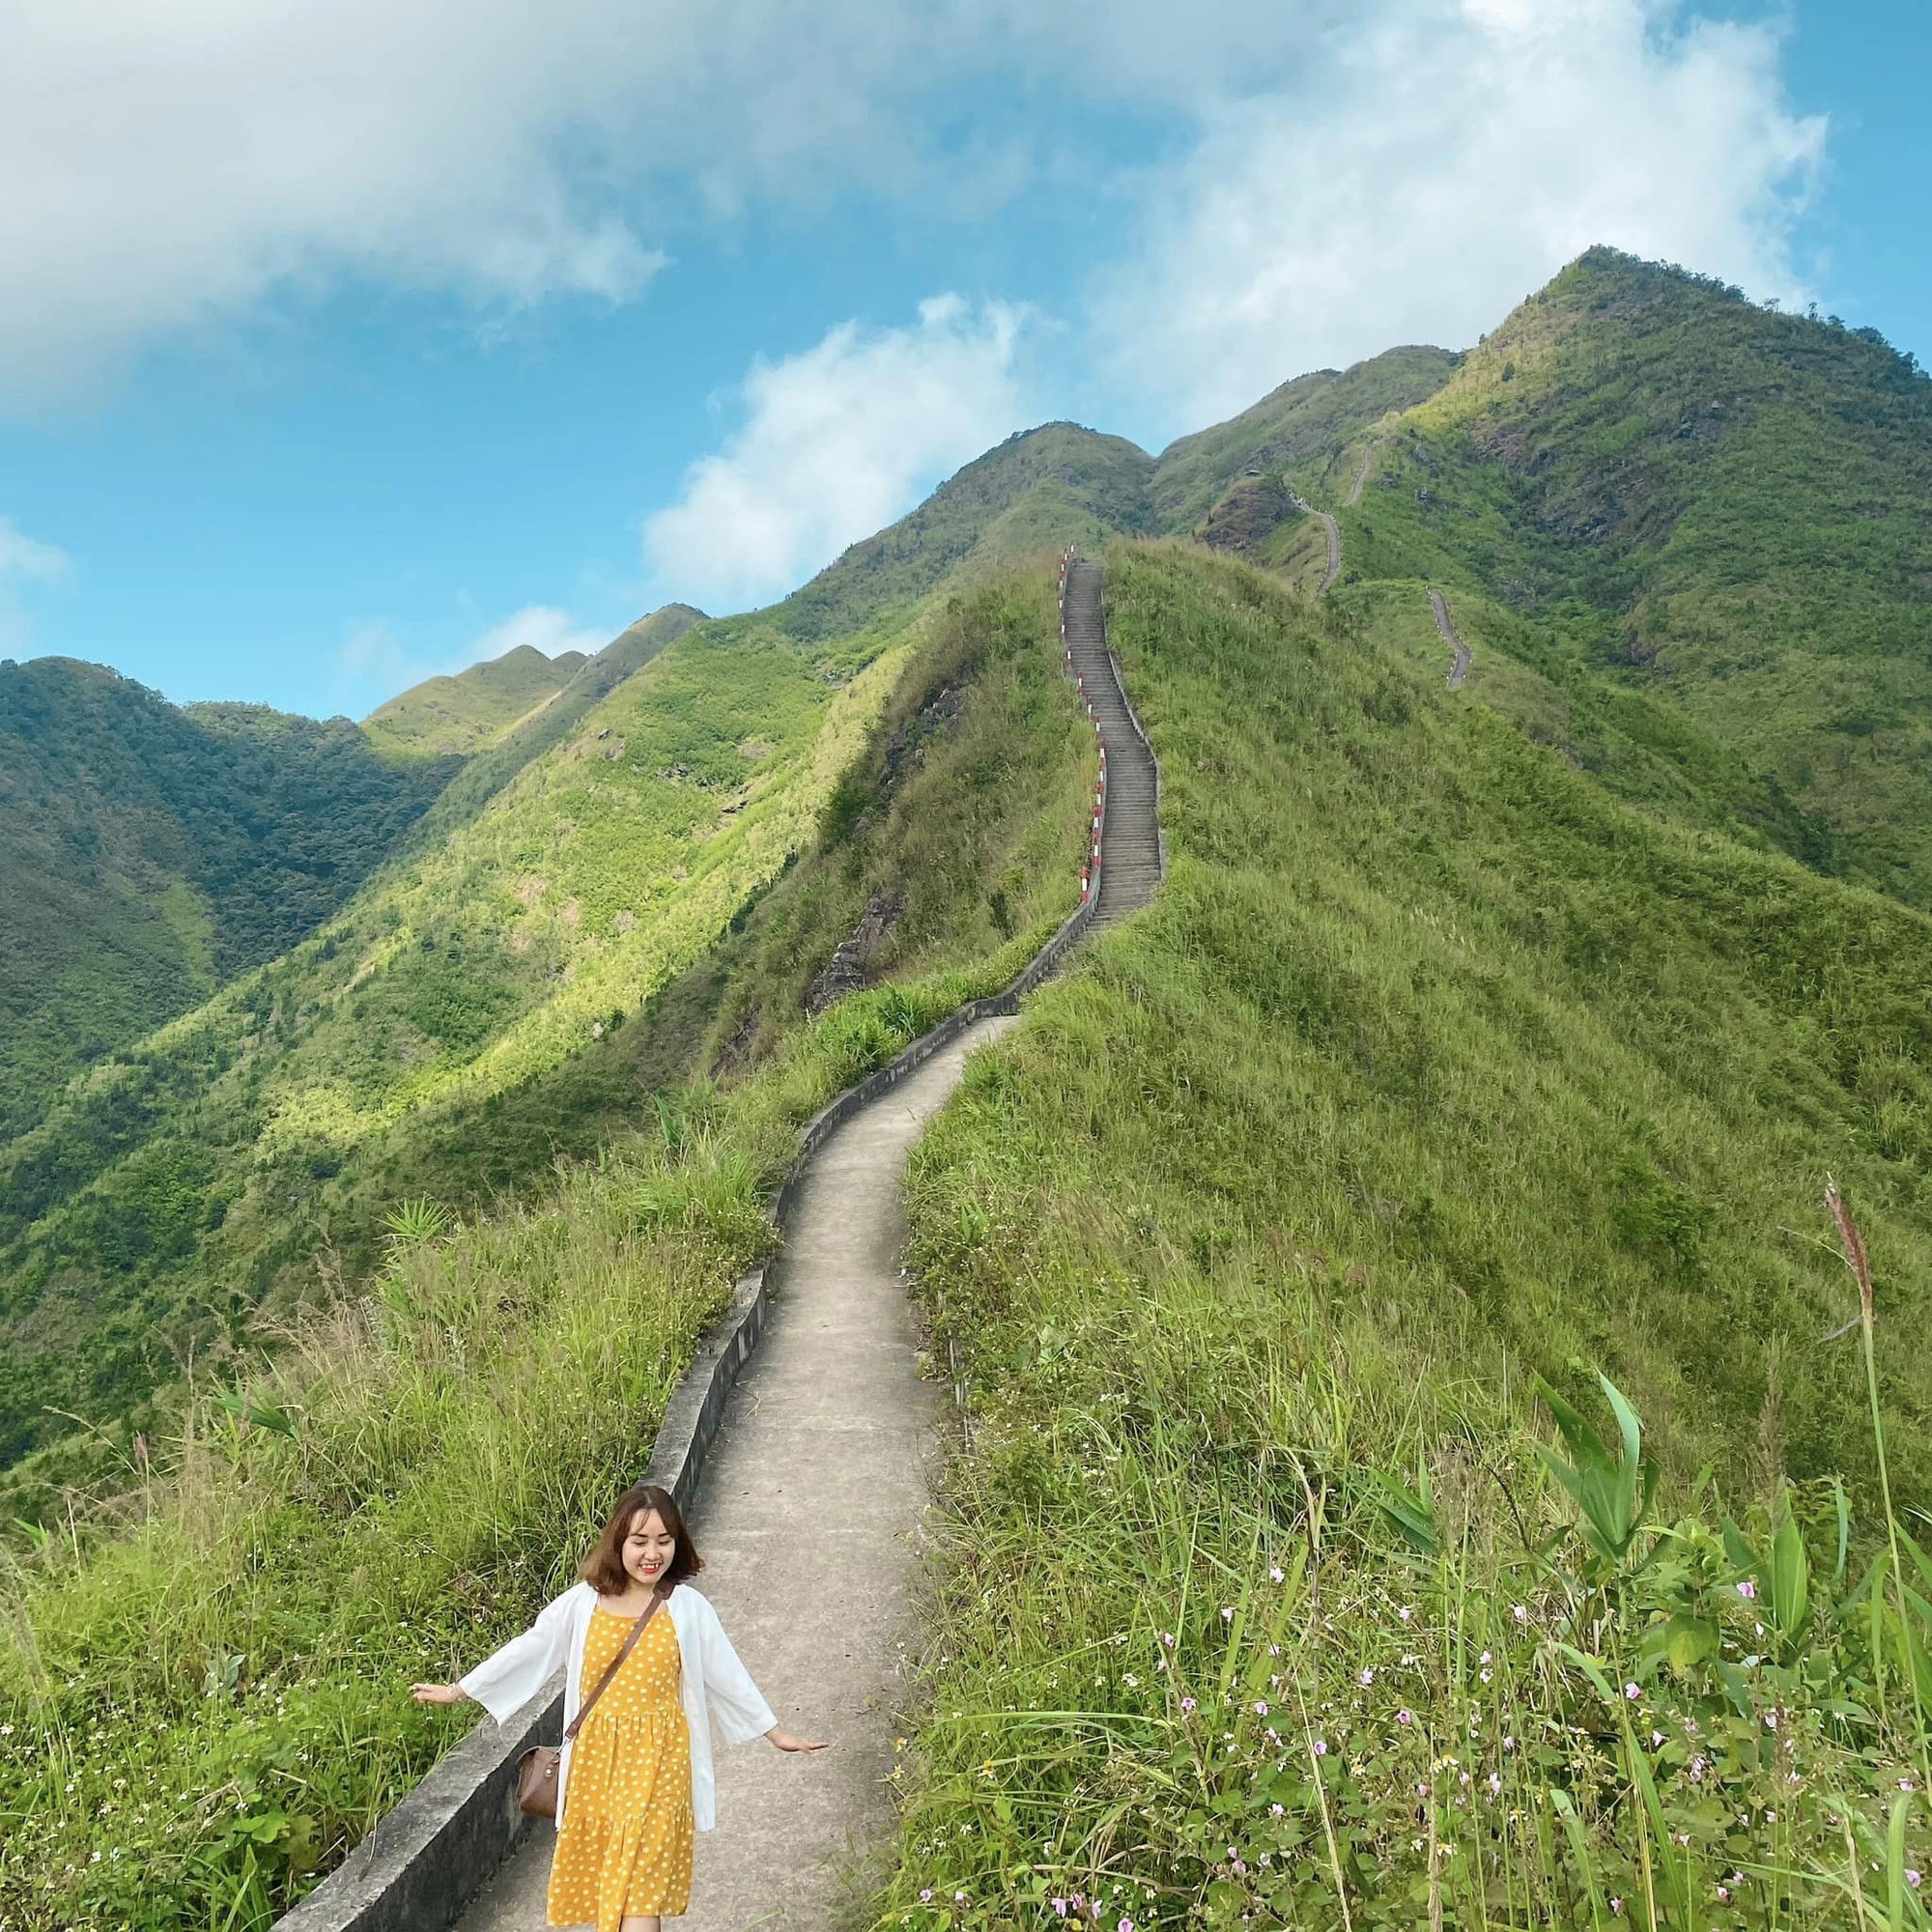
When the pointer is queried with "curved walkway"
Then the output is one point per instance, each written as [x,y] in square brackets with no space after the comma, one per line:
[810,1511]
[808,1519]
[1130,848]
[1461,657]
[1330,529]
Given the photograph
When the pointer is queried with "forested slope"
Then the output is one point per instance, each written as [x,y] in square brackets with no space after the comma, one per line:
[149,852]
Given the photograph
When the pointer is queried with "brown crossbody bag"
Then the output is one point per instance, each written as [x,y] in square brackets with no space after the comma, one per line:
[538,1768]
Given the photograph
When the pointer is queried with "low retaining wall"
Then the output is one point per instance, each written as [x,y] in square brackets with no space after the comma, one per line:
[430,1856]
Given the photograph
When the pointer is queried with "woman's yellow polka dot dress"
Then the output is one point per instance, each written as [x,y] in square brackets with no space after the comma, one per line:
[624,1846]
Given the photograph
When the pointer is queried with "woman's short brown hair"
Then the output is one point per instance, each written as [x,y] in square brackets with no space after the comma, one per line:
[604,1567]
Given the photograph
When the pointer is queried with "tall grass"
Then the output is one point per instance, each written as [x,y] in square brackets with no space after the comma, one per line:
[203,1676]
[1301,1571]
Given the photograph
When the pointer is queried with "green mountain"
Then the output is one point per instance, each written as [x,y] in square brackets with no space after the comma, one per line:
[149,852]
[241,1162]
[476,708]
[1480,1038]
[1682,499]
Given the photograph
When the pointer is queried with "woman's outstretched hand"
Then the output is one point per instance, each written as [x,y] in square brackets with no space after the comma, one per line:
[439,1694]
[786,1742]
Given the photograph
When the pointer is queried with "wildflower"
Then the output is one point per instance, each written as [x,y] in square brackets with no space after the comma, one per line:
[1485,1657]
[1132,1682]
[1365,1678]
[1226,1613]
[925,1897]
[1275,1574]
[959,1898]
[1905,1784]
[1321,1746]
[1484,1675]
[1747,1590]
[1407,1611]
[1126,1926]
[1167,1638]
[1405,1717]
[1520,1613]
[1914,1877]
[1633,1691]
[1770,1720]
[1656,1739]
[1697,1765]
[1059,1907]
[1723,1894]
[1617,1908]
[1188,1704]
[1276,1811]
[1261,1707]
[1495,1785]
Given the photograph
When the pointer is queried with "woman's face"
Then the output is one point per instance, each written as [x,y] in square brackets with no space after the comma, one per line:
[648,1549]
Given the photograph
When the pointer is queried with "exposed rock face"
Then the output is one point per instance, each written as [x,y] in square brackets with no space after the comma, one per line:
[845,971]
[1252,507]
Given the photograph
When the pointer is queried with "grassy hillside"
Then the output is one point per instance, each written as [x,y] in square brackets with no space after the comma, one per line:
[1306,422]
[149,852]
[245,1615]
[1433,1069]
[1039,490]
[476,708]
[193,1182]
[1702,502]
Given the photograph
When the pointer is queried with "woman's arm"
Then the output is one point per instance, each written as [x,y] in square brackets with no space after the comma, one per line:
[742,1711]
[505,1682]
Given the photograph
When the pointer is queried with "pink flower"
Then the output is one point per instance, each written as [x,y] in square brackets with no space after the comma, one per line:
[1365,1678]
[1632,1692]
[1321,1746]
[1520,1613]
[1747,1590]
[925,1897]
[1226,1613]
[1275,1574]
[1188,1704]
[1167,1638]
[1261,1707]
[1914,1877]
[1405,1717]
[1059,1907]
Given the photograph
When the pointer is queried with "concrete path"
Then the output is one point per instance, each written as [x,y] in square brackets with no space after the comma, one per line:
[809,1519]
[1130,850]
[1460,655]
[1331,531]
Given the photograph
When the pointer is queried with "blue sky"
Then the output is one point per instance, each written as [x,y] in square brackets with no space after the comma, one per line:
[347,342]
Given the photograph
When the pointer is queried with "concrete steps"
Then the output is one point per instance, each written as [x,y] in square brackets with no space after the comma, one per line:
[1130,855]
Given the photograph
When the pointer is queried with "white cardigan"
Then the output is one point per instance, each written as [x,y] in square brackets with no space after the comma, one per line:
[713,1680]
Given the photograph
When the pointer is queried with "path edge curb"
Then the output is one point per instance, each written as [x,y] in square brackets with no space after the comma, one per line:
[427,1856]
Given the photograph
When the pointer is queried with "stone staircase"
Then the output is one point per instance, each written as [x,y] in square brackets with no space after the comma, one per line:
[1130,850]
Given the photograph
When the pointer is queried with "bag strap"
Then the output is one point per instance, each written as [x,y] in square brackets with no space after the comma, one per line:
[616,1664]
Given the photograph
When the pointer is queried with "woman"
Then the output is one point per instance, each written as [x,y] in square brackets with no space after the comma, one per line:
[637,1776]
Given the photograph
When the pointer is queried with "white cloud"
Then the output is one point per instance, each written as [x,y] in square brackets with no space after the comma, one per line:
[24,561]
[1445,165]
[170,165]
[23,556]
[1364,169]
[837,442]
